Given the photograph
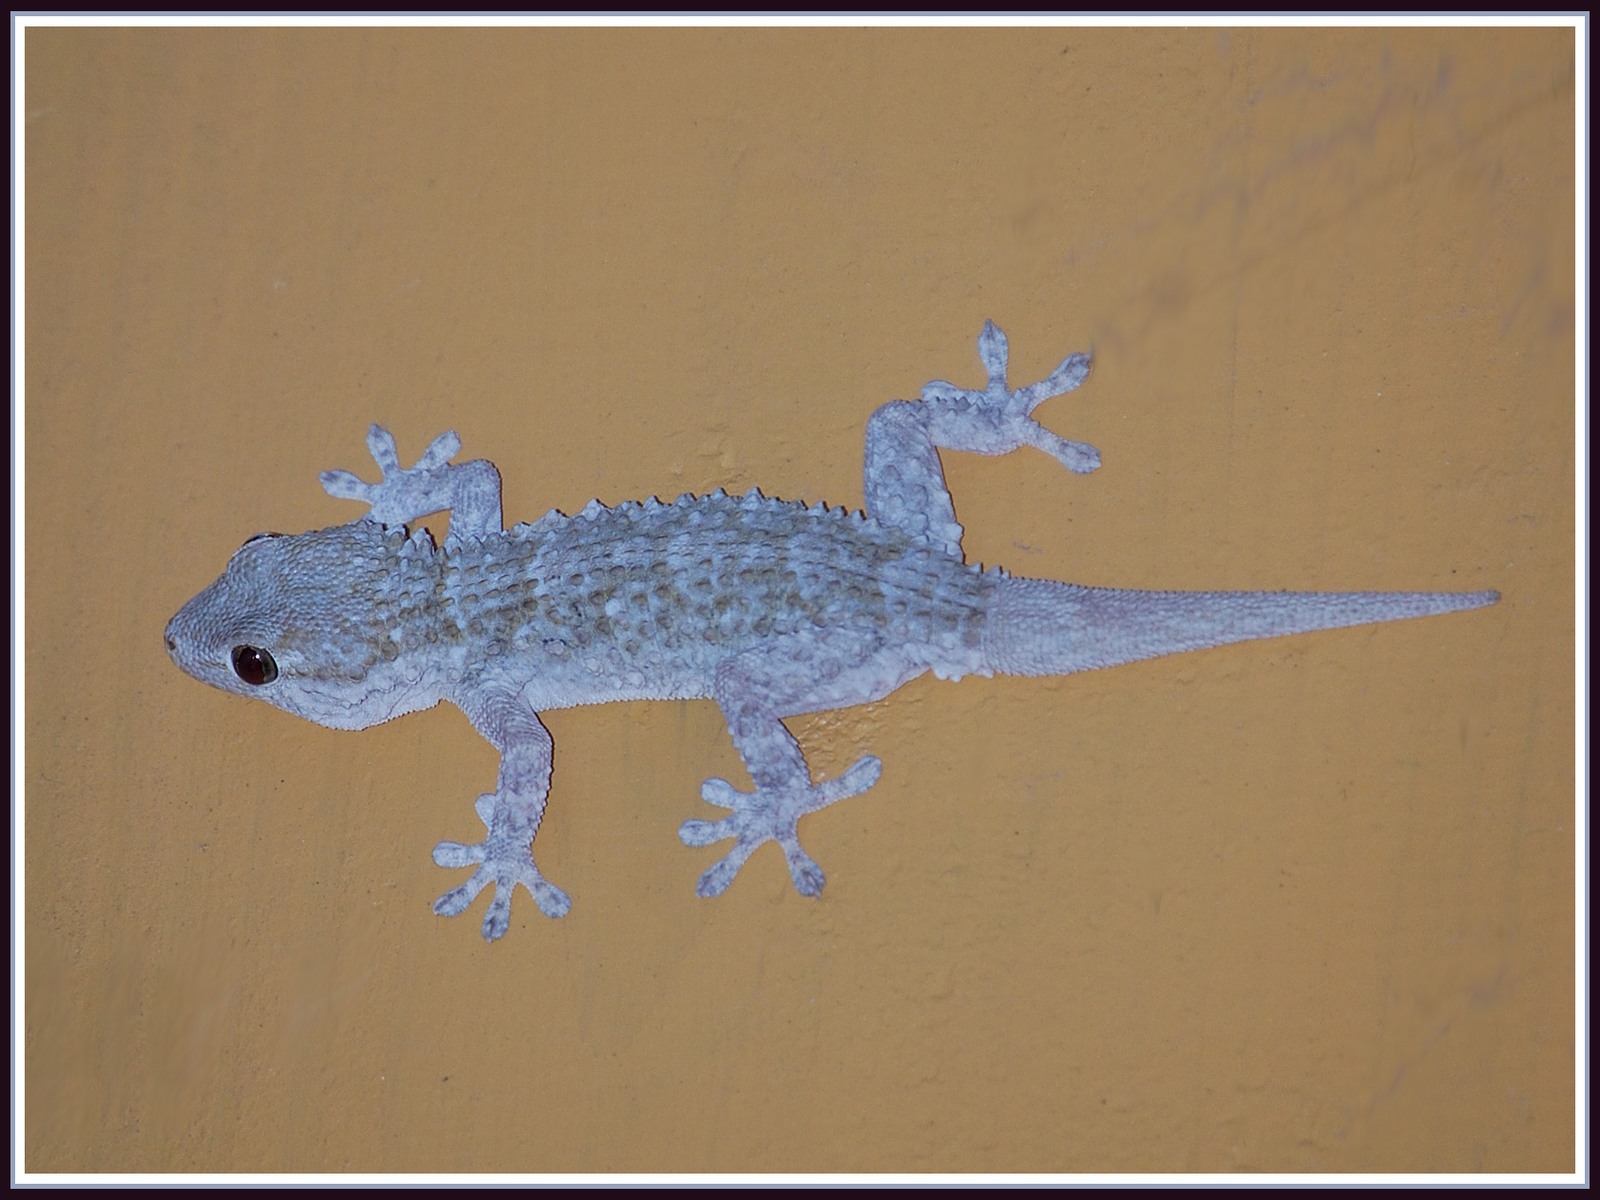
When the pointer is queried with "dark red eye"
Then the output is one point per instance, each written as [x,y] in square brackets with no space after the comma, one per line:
[254,665]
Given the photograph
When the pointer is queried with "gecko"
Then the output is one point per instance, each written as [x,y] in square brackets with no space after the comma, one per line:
[772,609]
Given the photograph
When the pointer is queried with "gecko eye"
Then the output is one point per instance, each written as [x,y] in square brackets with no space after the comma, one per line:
[254,665]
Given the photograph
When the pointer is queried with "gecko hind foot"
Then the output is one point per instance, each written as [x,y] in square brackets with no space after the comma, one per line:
[504,859]
[996,419]
[770,815]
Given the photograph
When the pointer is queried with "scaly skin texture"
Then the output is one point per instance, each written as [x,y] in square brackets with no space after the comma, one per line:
[771,609]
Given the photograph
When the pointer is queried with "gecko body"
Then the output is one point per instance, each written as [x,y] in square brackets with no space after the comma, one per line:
[771,609]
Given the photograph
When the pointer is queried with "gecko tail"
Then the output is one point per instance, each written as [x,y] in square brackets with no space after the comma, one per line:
[1041,627]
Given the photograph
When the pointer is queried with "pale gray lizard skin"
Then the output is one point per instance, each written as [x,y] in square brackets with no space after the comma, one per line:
[770,608]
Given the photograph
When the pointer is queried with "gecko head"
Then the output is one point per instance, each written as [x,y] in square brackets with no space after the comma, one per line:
[295,621]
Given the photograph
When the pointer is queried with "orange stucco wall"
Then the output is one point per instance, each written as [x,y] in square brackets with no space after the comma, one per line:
[1294,905]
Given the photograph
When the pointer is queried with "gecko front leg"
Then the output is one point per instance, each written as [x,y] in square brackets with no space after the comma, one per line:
[511,814]
[469,491]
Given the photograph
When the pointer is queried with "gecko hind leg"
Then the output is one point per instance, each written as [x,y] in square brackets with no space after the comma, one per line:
[904,481]
[770,815]
[756,690]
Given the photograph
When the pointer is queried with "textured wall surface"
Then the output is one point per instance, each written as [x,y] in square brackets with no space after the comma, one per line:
[1294,905]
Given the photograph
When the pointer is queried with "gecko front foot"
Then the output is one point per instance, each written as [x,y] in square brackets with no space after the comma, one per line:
[504,859]
[770,815]
[401,491]
[469,491]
